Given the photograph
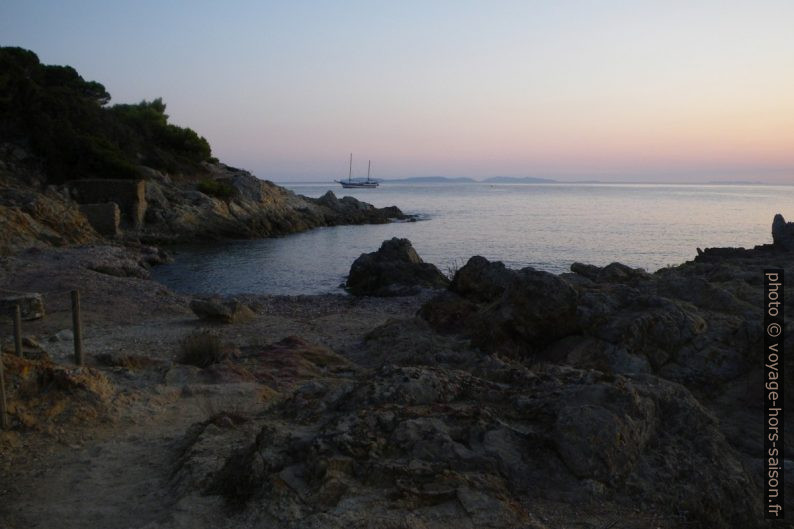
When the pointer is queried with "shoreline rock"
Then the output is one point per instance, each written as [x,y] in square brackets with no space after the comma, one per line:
[254,208]
[395,269]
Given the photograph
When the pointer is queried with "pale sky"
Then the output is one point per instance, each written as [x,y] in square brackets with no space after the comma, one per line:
[613,90]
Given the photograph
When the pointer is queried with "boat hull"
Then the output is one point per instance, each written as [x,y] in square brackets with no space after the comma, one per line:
[358,185]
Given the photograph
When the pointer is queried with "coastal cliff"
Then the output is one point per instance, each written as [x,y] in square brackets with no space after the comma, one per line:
[162,210]
[75,170]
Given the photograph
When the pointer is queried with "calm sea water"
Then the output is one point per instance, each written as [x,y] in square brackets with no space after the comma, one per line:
[546,226]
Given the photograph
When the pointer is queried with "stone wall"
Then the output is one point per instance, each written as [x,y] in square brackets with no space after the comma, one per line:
[104,218]
[130,195]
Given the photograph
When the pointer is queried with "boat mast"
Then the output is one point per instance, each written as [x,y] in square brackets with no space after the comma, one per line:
[350,171]
[369,166]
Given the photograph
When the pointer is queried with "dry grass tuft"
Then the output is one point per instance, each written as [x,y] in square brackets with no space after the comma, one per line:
[201,349]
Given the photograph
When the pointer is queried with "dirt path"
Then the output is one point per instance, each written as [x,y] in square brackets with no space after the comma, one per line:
[116,480]
[117,475]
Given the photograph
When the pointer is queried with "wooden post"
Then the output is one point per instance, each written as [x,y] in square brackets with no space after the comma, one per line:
[3,410]
[77,328]
[17,331]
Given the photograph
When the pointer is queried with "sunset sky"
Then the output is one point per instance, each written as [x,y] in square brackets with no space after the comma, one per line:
[632,91]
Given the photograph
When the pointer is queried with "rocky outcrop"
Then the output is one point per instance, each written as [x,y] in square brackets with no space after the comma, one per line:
[247,207]
[221,202]
[781,247]
[394,270]
[481,280]
[30,217]
[612,273]
[358,212]
[782,233]
[431,446]
[676,323]
[694,330]
[512,311]
[44,396]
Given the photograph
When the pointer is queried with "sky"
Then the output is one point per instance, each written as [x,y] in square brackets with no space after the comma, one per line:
[669,91]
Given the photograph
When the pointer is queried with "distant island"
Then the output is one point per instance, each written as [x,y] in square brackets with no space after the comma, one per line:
[519,180]
[737,183]
[535,180]
[466,180]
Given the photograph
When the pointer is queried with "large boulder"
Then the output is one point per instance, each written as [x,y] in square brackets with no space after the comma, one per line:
[535,309]
[782,233]
[481,280]
[612,273]
[511,311]
[394,270]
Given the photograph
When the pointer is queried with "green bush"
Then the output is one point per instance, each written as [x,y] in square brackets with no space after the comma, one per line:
[216,188]
[67,122]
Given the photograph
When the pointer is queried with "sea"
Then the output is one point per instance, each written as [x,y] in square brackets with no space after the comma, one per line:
[545,226]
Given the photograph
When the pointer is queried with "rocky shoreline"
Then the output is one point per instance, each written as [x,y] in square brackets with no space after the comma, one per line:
[223,203]
[603,397]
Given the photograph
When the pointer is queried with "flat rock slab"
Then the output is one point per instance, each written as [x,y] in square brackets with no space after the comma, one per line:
[30,305]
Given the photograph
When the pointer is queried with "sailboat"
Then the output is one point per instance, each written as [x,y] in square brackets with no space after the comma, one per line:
[358,183]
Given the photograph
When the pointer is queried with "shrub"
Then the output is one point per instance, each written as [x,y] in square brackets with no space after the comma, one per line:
[216,188]
[453,267]
[201,349]
[68,123]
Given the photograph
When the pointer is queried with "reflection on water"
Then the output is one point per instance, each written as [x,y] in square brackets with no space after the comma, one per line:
[547,226]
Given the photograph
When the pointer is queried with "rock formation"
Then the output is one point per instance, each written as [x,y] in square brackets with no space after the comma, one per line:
[254,208]
[394,270]
[783,233]
[160,209]
[34,216]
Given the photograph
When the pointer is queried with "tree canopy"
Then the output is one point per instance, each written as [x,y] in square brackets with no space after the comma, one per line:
[67,121]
